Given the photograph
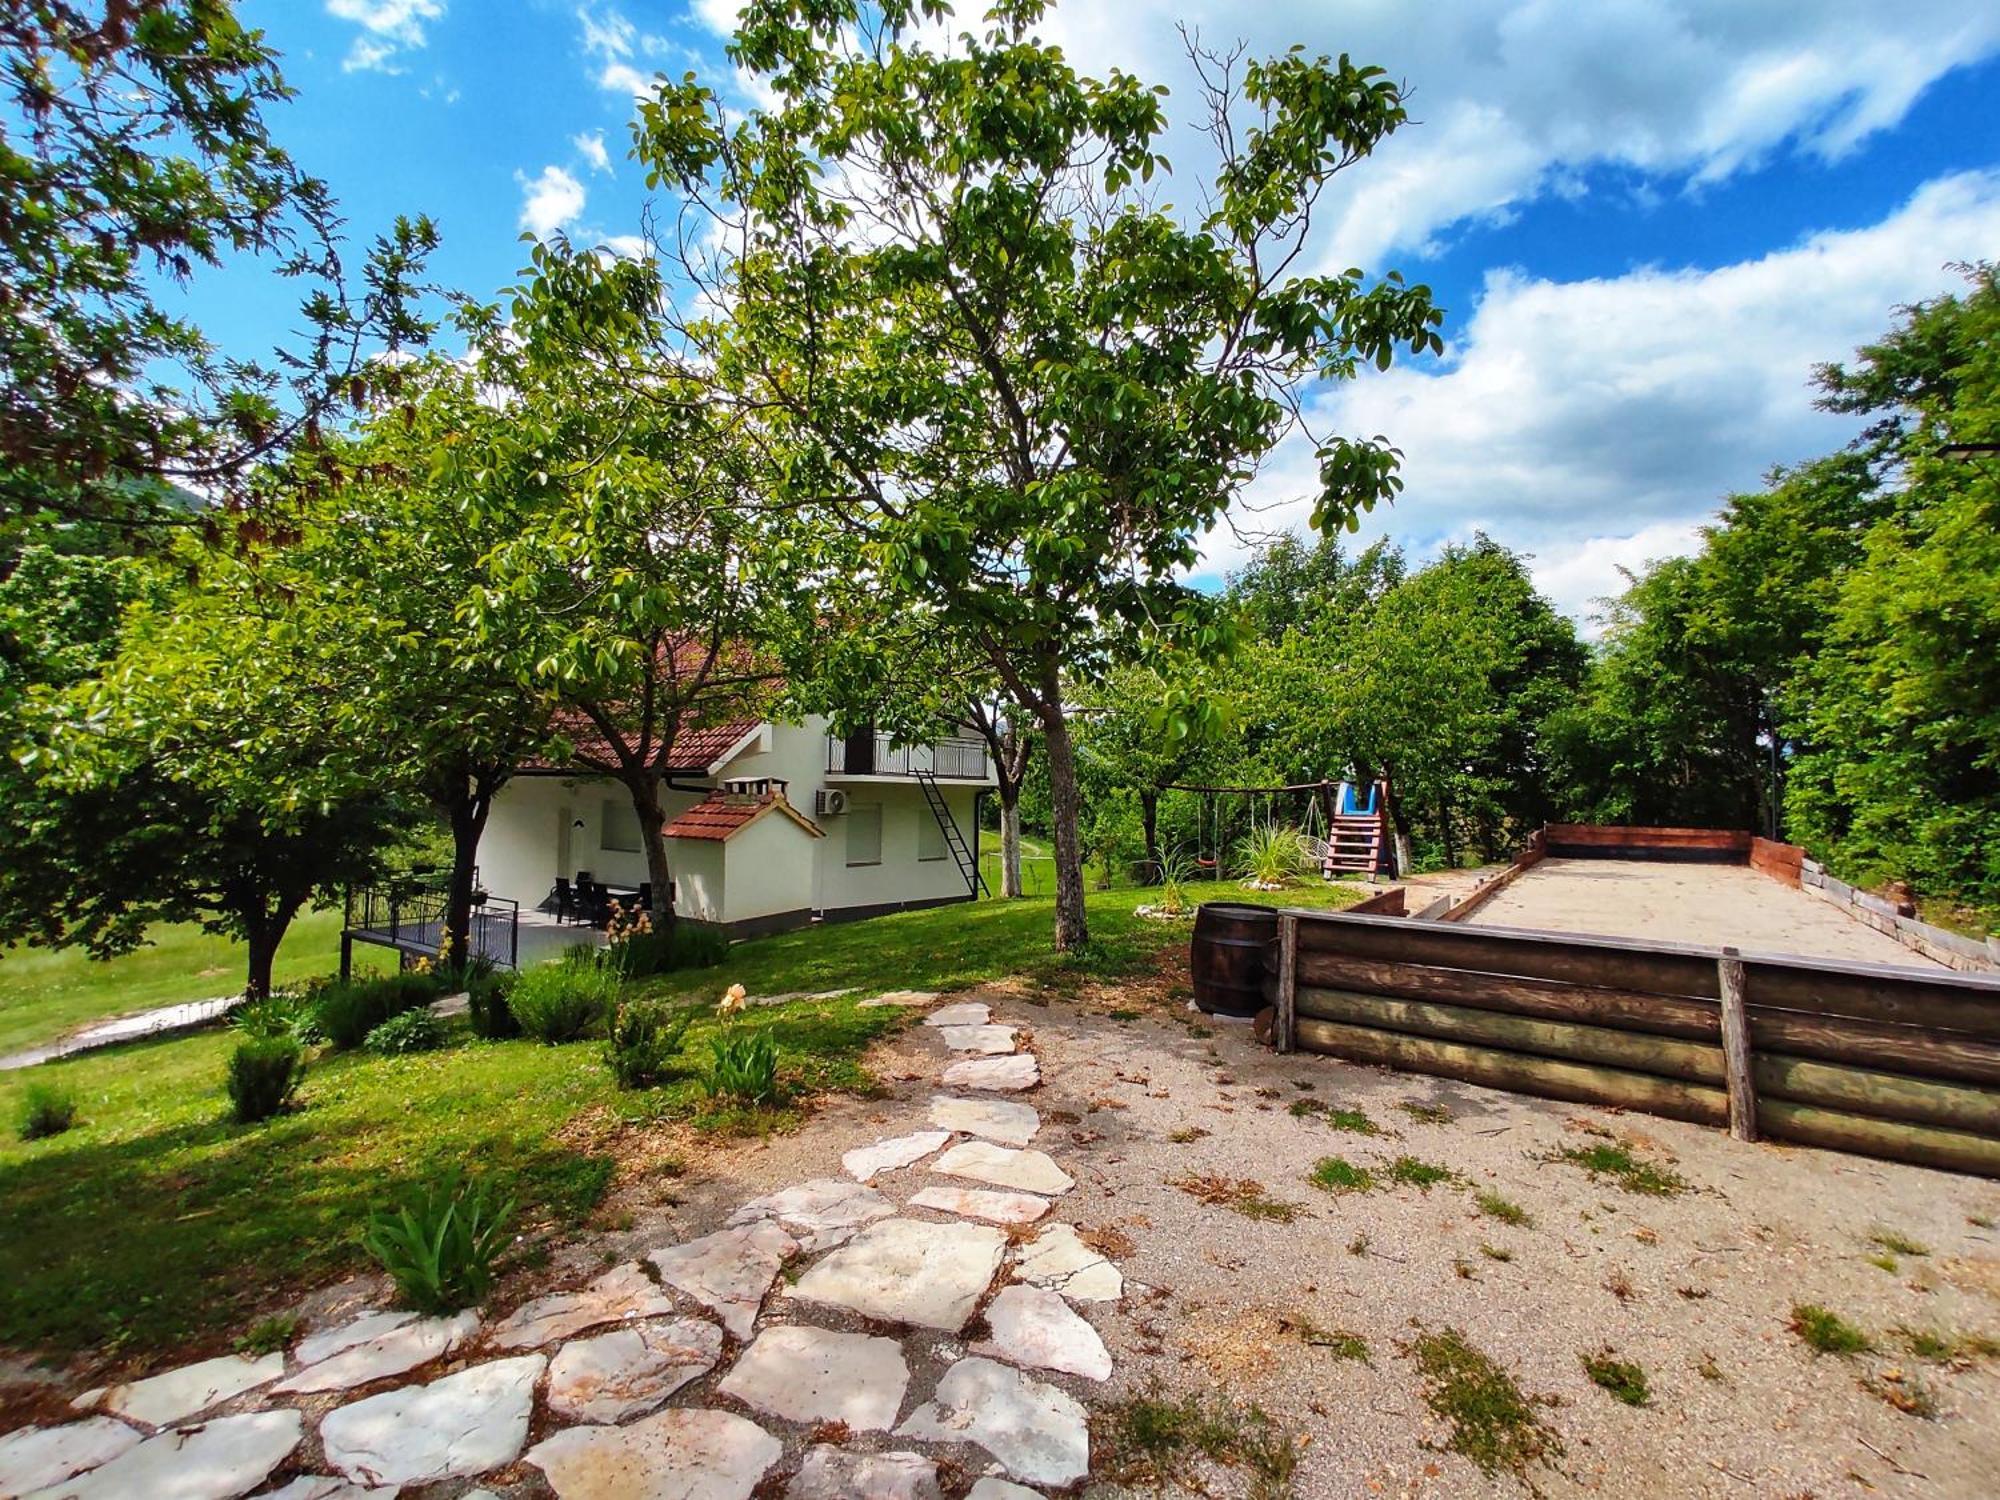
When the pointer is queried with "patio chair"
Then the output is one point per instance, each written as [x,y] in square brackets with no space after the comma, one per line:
[565,900]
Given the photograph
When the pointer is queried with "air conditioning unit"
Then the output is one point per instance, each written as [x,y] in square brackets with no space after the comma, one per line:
[829,802]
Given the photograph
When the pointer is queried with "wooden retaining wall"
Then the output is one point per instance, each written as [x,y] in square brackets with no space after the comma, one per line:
[1883,1061]
[1611,841]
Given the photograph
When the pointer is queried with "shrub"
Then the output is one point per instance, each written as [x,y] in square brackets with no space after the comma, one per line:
[686,945]
[46,1109]
[453,979]
[745,1067]
[348,1012]
[412,1031]
[1271,854]
[643,1044]
[1176,870]
[563,1002]
[263,1072]
[486,1001]
[440,1245]
[285,1014]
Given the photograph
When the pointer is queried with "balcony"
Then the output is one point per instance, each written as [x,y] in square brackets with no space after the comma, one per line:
[869,754]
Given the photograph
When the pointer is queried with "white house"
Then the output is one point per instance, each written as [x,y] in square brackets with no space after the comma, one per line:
[769,826]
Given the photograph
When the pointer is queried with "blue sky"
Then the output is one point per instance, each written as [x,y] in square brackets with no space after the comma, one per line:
[1646,218]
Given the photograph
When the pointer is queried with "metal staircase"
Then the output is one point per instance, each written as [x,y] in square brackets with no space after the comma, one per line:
[968,866]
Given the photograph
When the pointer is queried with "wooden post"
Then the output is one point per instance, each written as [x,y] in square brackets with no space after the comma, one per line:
[1284,1025]
[1736,1048]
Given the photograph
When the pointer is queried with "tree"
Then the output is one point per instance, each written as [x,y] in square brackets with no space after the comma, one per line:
[197,778]
[980,345]
[137,153]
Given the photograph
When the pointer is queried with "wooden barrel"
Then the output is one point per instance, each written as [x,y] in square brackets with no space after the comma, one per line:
[1227,956]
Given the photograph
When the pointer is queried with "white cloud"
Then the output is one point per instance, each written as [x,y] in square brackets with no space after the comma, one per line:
[387,28]
[611,41]
[1598,422]
[549,202]
[1514,100]
[590,146]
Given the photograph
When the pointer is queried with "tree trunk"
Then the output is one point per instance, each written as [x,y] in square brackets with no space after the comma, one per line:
[1072,926]
[466,813]
[1399,823]
[1010,842]
[652,835]
[1149,817]
[263,931]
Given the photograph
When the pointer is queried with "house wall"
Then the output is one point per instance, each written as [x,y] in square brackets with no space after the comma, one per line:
[779,869]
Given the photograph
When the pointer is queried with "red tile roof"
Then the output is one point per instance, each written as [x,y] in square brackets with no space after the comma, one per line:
[692,752]
[721,815]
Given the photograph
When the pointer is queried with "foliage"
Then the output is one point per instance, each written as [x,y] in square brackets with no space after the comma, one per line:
[347,1013]
[1272,855]
[1622,1378]
[685,945]
[1154,1440]
[563,1002]
[1633,1173]
[488,1007]
[137,153]
[1176,870]
[1826,1332]
[744,1066]
[1498,1206]
[440,1244]
[1492,1422]
[264,1073]
[643,1044]
[413,1031]
[1338,1175]
[286,1013]
[46,1109]
[269,1335]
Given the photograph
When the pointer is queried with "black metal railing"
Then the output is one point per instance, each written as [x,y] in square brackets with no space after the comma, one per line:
[879,755]
[409,916]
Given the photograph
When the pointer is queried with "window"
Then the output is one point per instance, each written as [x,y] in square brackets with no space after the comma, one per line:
[930,836]
[620,827]
[864,833]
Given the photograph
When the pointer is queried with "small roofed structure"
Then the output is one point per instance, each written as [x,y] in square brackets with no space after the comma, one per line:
[736,858]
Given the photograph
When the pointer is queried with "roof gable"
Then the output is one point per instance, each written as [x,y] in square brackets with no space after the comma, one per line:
[720,816]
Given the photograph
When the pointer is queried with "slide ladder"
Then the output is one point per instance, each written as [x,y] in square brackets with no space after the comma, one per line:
[954,841]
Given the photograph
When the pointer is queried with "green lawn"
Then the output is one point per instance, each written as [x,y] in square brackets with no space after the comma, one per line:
[45,993]
[156,1223]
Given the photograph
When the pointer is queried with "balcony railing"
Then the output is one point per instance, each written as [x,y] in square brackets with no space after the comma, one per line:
[878,755]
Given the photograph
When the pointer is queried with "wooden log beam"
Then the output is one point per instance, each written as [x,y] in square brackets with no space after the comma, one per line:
[1921,1145]
[1878,992]
[1581,1083]
[1574,958]
[1528,859]
[1631,1010]
[1885,1096]
[1736,1048]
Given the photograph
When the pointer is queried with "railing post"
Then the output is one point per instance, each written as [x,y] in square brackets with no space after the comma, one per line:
[1285,1022]
[1736,1047]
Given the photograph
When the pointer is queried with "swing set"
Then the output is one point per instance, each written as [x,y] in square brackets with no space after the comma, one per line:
[1351,837]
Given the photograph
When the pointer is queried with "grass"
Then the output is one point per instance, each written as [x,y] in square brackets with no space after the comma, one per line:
[46,993]
[1625,1380]
[1633,1173]
[1826,1332]
[1506,1210]
[1336,1174]
[1411,1171]
[1336,1341]
[1154,1440]
[1243,1195]
[1426,1114]
[1890,1242]
[1355,1121]
[1492,1422]
[1948,1348]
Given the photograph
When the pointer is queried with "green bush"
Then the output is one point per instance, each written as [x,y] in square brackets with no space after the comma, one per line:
[286,1013]
[563,1002]
[46,1109]
[412,1031]
[745,1068]
[263,1072]
[643,1044]
[488,1009]
[439,1247]
[348,1012]
[687,945]
[1272,854]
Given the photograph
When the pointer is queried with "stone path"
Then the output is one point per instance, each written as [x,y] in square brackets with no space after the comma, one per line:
[168,1020]
[817,1302]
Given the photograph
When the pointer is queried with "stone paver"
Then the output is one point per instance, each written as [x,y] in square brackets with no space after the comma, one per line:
[1058,1260]
[830,1473]
[981,1203]
[1006,1075]
[808,1374]
[621,1293]
[329,1487]
[988,1041]
[863,1162]
[960,1013]
[676,1455]
[1001,1120]
[461,1425]
[904,1271]
[899,997]
[1039,1433]
[216,1460]
[31,1458]
[730,1271]
[359,1329]
[1003,1166]
[1033,1326]
[393,1353]
[164,1399]
[616,1375]
[818,1214]
[990,1488]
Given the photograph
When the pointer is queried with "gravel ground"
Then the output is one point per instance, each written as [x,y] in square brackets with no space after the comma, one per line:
[1689,903]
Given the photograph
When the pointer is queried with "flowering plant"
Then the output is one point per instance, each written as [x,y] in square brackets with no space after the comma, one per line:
[733,1001]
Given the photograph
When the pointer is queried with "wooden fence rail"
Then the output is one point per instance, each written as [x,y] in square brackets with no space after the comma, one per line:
[1864,1057]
